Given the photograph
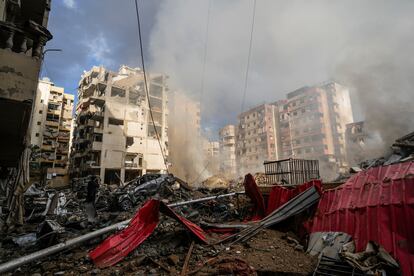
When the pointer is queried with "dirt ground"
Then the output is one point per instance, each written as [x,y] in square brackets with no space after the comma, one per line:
[268,253]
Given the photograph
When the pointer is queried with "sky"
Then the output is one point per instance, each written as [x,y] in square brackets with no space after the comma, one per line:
[365,45]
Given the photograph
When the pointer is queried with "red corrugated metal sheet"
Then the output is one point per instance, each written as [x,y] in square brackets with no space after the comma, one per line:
[193,228]
[252,191]
[280,195]
[377,205]
[119,245]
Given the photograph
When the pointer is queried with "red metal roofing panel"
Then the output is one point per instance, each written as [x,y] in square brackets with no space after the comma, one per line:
[378,205]
[192,227]
[280,195]
[252,191]
[119,245]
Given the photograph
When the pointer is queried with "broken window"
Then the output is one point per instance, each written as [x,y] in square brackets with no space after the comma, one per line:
[97,137]
[117,122]
[133,97]
[129,141]
[117,92]
[156,90]
[156,104]
[152,133]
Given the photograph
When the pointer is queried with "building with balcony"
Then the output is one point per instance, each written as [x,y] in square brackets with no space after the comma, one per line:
[315,118]
[114,136]
[257,137]
[23,34]
[227,143]
[50,134]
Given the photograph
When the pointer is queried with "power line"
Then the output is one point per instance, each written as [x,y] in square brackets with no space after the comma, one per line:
[146,85]
[205,54]
[248,57]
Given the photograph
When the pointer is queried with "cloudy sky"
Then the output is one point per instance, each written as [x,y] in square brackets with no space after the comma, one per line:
[366,45]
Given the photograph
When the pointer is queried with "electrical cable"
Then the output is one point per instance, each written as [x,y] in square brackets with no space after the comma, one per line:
[205,54]
[146,83]
[248,57]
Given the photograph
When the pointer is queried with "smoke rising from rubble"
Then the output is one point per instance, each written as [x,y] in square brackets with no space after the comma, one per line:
[364,45]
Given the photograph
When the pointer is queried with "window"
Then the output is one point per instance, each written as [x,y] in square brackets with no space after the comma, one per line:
[117,92]
[39,123]
[37,134]
[41,100]
[40,111]
[113,121]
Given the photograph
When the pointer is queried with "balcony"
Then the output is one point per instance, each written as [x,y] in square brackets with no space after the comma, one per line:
[26,37]
[96,146]
[52,123]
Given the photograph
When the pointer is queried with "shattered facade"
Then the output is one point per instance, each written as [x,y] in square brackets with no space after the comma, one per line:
[50,134]
[227,140]
[257,137]
[23,34]
[114,135]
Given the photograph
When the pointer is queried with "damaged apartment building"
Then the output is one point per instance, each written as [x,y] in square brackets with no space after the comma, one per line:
[50,134]
[227,142]
[23,34]
[309,124]
[114,136]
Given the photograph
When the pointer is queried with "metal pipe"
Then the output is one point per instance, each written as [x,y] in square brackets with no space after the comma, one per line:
[203,199]
[13,264]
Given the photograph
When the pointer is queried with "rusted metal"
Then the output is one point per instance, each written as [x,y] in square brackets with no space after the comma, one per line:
[187,260]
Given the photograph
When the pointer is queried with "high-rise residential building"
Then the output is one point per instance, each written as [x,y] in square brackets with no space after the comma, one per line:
[114,136]
[257,137]
[316,120]
[227,141]
[50,134]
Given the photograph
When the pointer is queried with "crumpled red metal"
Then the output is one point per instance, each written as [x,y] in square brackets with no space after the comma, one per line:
[118,246]
[280,195]
[374,205]
[252,191]
[193,228]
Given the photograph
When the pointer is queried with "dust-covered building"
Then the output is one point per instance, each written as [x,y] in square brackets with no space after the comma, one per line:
[227,141]
[50,134]
[114,136]
[316,121]
[257,137]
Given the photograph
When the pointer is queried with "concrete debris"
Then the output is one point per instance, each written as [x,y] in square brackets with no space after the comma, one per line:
[215,182]
[269,242]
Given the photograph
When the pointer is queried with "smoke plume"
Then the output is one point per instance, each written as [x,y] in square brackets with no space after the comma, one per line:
[364,45]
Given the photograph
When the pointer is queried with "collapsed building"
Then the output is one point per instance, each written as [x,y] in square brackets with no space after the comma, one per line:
[23,34]
[50,135]
[114,136]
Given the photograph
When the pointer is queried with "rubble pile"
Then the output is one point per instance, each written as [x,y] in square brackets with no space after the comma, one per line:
[401,151]
[157,224]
